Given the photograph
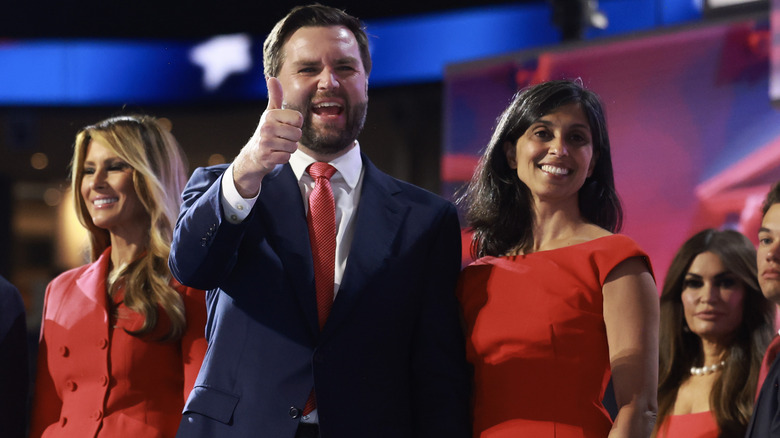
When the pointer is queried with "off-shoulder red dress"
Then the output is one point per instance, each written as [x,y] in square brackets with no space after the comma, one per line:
[537,340]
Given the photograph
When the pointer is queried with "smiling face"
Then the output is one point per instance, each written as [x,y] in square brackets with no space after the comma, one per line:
[322,76]
[555,154]
[712,299]
[108,192]
[768,254]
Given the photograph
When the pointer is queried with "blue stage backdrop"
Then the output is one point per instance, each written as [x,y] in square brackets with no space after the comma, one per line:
[229,68]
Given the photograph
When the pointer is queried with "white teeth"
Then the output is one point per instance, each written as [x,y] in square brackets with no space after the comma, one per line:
[103,201]
[327,104]
[555,170]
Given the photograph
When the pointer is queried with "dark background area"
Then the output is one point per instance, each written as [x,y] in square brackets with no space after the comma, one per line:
[186,19]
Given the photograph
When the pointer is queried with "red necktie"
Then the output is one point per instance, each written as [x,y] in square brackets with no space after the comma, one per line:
[322,235]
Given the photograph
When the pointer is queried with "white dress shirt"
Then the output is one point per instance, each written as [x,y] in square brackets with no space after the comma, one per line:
[346,184]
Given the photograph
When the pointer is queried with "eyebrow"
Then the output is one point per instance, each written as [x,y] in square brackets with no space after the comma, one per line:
[549,123]
[107,160]
[717,276]
[339,61]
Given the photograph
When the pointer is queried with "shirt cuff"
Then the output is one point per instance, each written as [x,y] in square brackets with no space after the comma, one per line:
[235,207]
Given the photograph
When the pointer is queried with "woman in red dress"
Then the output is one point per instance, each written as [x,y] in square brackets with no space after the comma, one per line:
[556,303]
[121,342]
[715,326]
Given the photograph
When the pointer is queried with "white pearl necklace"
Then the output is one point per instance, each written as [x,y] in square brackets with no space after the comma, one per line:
[701,371]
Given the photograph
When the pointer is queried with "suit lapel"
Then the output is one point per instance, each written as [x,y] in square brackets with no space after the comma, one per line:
[281,199]
[379,218]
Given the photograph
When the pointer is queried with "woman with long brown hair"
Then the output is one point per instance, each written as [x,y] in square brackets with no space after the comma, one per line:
[715,327]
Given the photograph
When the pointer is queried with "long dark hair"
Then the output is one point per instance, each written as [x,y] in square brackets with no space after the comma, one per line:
[733,392]
[499,206]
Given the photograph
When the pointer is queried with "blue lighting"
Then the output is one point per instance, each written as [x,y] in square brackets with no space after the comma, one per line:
[409,50]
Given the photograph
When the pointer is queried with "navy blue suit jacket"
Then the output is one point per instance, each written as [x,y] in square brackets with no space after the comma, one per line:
[390,361]
[765,421]
[14,373]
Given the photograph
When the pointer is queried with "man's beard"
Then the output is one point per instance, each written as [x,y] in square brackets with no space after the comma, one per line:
[326,139]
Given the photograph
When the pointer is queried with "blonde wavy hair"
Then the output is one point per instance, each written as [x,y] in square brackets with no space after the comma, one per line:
[159,175]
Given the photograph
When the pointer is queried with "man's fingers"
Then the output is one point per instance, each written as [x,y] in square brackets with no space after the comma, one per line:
[280,127]
[287,117]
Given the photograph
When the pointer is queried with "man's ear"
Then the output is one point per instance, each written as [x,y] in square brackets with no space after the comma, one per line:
[511,154]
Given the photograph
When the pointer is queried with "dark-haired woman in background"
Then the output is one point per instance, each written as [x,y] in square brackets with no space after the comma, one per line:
[556,300]
[715,327]
[121,342]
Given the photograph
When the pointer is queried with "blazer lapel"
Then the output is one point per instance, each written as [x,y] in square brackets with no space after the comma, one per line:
[91,285]
[379,217]
[289,236]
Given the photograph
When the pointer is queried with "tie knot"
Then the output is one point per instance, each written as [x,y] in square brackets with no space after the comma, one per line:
[320,169]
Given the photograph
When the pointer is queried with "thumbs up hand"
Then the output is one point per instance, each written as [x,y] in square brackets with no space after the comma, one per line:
[274,140]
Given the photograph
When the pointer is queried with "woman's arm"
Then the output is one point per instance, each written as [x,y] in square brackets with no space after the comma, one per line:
[631,313]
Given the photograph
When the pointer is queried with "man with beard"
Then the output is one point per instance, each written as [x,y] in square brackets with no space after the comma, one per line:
[331,285]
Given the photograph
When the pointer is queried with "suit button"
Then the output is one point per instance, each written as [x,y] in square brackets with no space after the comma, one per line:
[71,385]
[103,380]
[64,351]
[97,415]
[63,421]
[102,343]
[295,413]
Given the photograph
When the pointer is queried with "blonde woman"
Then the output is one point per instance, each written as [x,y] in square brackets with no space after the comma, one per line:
[121,342]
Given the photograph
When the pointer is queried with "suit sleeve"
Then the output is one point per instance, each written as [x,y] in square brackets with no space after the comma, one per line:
[441,374]
[204,246]
[47,404]
[14,377]
[193,342]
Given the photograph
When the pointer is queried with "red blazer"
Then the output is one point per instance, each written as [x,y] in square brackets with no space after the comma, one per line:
[96,380]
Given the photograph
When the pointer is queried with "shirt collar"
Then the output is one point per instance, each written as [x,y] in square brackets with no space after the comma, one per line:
[348,165]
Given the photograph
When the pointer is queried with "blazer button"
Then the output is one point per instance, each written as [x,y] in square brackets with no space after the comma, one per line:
[295,413]
[97,415]
[102,343]
[71,385]
[63,421]
[103,380]
[64,351]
